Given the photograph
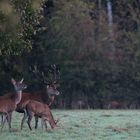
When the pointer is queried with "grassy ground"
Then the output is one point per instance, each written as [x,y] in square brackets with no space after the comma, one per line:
[81,125]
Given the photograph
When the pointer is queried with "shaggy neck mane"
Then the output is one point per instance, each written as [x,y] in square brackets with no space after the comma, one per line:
[45,95]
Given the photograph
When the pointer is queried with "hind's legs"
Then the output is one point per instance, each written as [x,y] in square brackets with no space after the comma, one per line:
[4,118]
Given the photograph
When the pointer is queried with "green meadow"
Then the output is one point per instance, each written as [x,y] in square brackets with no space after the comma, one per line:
[80,125]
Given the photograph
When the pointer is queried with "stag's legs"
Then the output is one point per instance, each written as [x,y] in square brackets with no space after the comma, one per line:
[24,118]
[36,122]
[30,116]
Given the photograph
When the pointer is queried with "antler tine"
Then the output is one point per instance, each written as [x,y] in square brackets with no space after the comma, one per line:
[43,75]
[33,68]
[47,74]
[54,65]
[56,72]
[45,79]
[36,71]
[50,74]
[55,75]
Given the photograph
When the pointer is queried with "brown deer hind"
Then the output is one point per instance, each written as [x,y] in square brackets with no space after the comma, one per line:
[37,109]
[8,105]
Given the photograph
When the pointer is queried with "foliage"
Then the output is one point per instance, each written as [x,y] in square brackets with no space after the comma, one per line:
[19,21]
[95,67]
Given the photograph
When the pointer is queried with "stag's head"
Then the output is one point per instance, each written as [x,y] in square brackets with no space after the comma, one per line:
[49,76]
[52,90]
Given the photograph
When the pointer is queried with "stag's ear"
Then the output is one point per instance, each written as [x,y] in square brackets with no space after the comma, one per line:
[21,80]
[13,81]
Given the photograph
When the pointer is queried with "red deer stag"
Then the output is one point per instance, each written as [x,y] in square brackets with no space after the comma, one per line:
[37,109]
[50,90]
[8,105]
[46,95]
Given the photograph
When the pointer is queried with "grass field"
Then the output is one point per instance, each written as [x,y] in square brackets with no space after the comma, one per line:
[81,125]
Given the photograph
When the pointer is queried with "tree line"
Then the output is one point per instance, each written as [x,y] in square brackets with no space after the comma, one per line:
[94,42]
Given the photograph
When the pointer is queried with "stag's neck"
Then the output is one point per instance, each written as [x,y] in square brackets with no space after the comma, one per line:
[17,97]
[46,91]
[44,95]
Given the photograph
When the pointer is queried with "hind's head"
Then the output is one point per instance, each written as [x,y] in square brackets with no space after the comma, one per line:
[18,85]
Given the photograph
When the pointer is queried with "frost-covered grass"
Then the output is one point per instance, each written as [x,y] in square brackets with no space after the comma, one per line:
[81,125]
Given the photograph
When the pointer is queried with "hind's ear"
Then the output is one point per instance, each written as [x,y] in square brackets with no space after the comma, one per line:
[13,81]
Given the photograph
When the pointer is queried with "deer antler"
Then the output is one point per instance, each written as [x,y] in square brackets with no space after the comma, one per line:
[47,73]
[39,74]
